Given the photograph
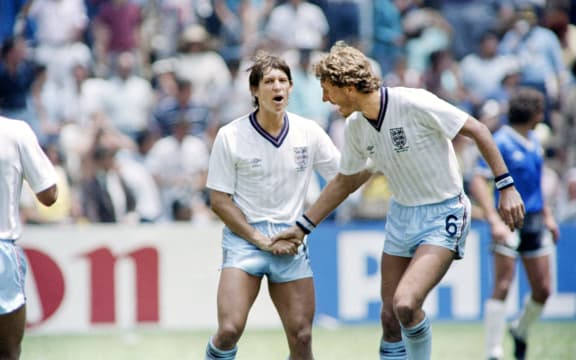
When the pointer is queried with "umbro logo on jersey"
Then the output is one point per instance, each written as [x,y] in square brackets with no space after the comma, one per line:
[255,163]
[399,139]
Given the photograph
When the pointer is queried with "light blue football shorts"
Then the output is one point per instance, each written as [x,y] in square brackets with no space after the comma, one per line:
[444,224]
[12,276]
[241,254]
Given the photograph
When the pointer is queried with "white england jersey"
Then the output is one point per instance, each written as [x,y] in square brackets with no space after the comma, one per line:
[268,176]
[410,143]
[20,158]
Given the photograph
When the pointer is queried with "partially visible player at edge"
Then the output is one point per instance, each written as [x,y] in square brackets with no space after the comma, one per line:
[259,171]
[523,153]
[407,134]
[21,158]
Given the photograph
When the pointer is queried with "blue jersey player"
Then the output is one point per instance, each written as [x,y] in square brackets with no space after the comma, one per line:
[522,153]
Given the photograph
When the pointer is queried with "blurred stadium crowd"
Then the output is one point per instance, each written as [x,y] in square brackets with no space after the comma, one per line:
[126,96]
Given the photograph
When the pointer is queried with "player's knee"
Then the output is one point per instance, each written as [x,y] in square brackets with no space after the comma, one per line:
[405,310]
[541,293]
[388,318]
[228,336]
[501,289]
[390,326]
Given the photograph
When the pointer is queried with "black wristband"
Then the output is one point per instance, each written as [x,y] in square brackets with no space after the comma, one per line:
[303,228]
[308,220]
[304,223]
[503,181]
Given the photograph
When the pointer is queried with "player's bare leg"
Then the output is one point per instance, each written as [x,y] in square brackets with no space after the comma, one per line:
[495,307]
[11,333]
[295,303]
[391,270]
[425,271]
[237,291]
[538,273]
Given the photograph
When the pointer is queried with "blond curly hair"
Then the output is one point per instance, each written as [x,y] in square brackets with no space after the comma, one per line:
[347,66]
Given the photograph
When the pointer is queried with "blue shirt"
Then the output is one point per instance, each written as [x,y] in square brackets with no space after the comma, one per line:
[15,88]
[524,158]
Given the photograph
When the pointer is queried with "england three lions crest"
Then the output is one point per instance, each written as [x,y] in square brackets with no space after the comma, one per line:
[399,139]
[301,158]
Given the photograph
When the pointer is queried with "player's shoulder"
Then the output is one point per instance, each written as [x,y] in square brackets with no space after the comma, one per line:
[408,94]
[238,124]
[14,127]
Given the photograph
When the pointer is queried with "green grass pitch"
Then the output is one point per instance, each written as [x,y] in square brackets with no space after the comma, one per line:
[549,340]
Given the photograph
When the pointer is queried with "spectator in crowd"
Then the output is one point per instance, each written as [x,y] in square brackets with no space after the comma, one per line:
[21,82]
[566,128]
[184,105]
[236,26]
[401,75]
[179,163]
[134,171]
[116,29]
[556,17]
[442,78]
[426,31]
[106,195]
[494,110]
[469,19]
[388,35]
[196,53]
[235,101]
[343,20]
[129,99]
[298,24]
[539,54]
[306,91]
[60,27]
[162,24]
[483,70]
[13,14]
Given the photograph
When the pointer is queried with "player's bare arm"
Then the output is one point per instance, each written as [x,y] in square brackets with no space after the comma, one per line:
[510,207]
[337,190]
[479,190]
[232,216]
[48,196]
[551,223]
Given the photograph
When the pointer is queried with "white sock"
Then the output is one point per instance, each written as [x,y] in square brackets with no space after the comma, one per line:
[494,327]
[418,340]
[530,314]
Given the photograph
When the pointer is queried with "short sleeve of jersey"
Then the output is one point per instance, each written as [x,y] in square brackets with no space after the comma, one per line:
[37,168]
[353,160]
[328,156]
[442,115]
[221,174]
